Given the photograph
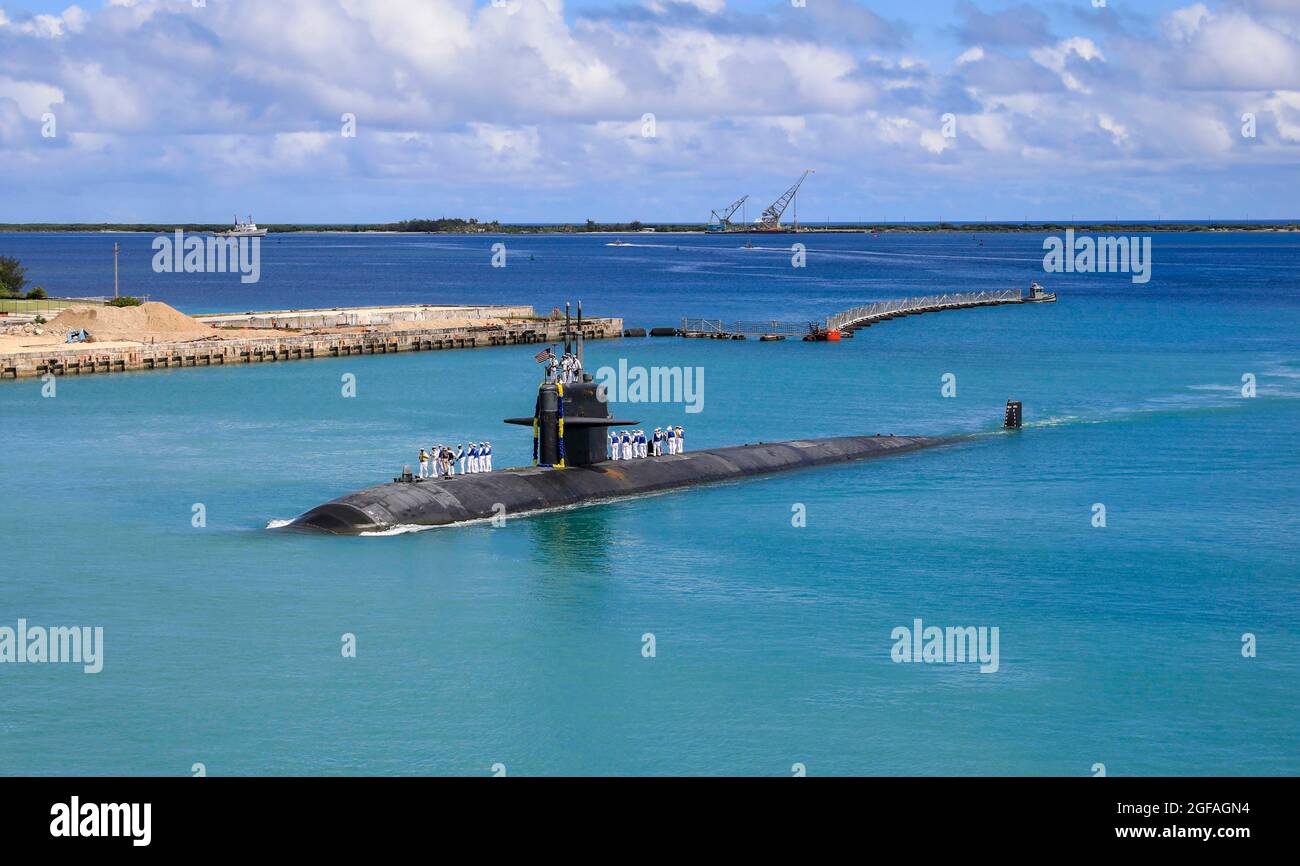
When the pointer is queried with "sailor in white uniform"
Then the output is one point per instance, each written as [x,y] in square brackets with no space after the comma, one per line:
[657,442]
[681,440]
[613,444]
[642,443]
[487,456]
[627,445]
[459,457]
[671,439]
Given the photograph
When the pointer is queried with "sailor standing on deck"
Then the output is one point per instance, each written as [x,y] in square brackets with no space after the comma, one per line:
[473,461]
[657,442]
[626,441]
[613,444]
[643,449]
[671,439]
[459,457]
[424,463]
[487,456]
[681,440]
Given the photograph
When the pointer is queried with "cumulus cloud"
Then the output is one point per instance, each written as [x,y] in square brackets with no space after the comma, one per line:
[1062,56]
[1233,50]
[454,97]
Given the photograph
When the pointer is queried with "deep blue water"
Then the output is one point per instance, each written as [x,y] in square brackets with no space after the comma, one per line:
[522,645]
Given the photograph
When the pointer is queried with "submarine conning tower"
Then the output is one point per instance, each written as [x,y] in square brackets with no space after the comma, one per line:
[569,419]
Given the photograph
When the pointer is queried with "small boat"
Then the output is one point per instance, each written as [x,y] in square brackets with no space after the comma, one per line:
[243,230]
[1039,295]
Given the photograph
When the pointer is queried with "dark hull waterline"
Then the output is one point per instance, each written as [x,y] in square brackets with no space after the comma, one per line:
[513,492]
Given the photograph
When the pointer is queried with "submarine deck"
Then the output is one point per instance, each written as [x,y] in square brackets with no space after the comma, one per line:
[439,501]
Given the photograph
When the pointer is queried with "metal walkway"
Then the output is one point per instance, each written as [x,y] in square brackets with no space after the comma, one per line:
[853,319]
[866,316]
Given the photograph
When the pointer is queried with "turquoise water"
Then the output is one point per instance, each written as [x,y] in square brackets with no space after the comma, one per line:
[523,644]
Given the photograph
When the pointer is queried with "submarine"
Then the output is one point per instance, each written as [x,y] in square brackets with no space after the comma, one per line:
[570,421]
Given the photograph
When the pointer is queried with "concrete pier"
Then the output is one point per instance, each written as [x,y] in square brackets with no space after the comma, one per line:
[87,358]
[351,317]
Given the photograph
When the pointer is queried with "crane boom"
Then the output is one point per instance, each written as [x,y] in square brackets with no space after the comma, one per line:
[772,216]
[724,218]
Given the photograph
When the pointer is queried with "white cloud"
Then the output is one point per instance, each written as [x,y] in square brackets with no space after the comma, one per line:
[1235,51]
[1056,58]
[45,26]
[33,98]
[1183,23]
[1118,133]
[461,95]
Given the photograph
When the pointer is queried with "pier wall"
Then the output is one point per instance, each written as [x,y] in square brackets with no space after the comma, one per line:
[85,358]
[345,317]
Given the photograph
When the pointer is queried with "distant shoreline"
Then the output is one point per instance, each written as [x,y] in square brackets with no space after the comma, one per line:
[646,229]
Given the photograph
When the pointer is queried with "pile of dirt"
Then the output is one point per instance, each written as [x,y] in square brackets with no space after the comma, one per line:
[150,321]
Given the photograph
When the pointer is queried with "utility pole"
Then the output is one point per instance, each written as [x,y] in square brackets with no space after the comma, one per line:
[116,249]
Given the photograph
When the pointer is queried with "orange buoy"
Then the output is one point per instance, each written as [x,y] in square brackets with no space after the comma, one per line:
[833,336]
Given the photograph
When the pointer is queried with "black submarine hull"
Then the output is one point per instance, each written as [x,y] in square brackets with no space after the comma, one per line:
[511,492]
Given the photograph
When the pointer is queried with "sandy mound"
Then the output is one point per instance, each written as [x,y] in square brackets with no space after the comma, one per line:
[153,320]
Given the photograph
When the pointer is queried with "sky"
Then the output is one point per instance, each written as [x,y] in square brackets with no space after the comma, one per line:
[342,111]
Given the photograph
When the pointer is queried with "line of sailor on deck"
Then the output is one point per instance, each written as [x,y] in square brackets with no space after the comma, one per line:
[631,444]
[445,460]
[476,458]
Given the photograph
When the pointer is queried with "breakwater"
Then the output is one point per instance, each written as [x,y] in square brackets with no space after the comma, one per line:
[90,358]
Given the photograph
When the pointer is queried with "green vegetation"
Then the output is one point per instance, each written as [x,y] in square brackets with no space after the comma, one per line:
[125,301]
[22,305]
[37,294]
[439,225]
[13,276]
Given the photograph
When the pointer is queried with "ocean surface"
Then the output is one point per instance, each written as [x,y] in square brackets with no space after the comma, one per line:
[1119,645]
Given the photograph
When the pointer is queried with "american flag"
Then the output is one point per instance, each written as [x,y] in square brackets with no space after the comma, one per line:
[544,355]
